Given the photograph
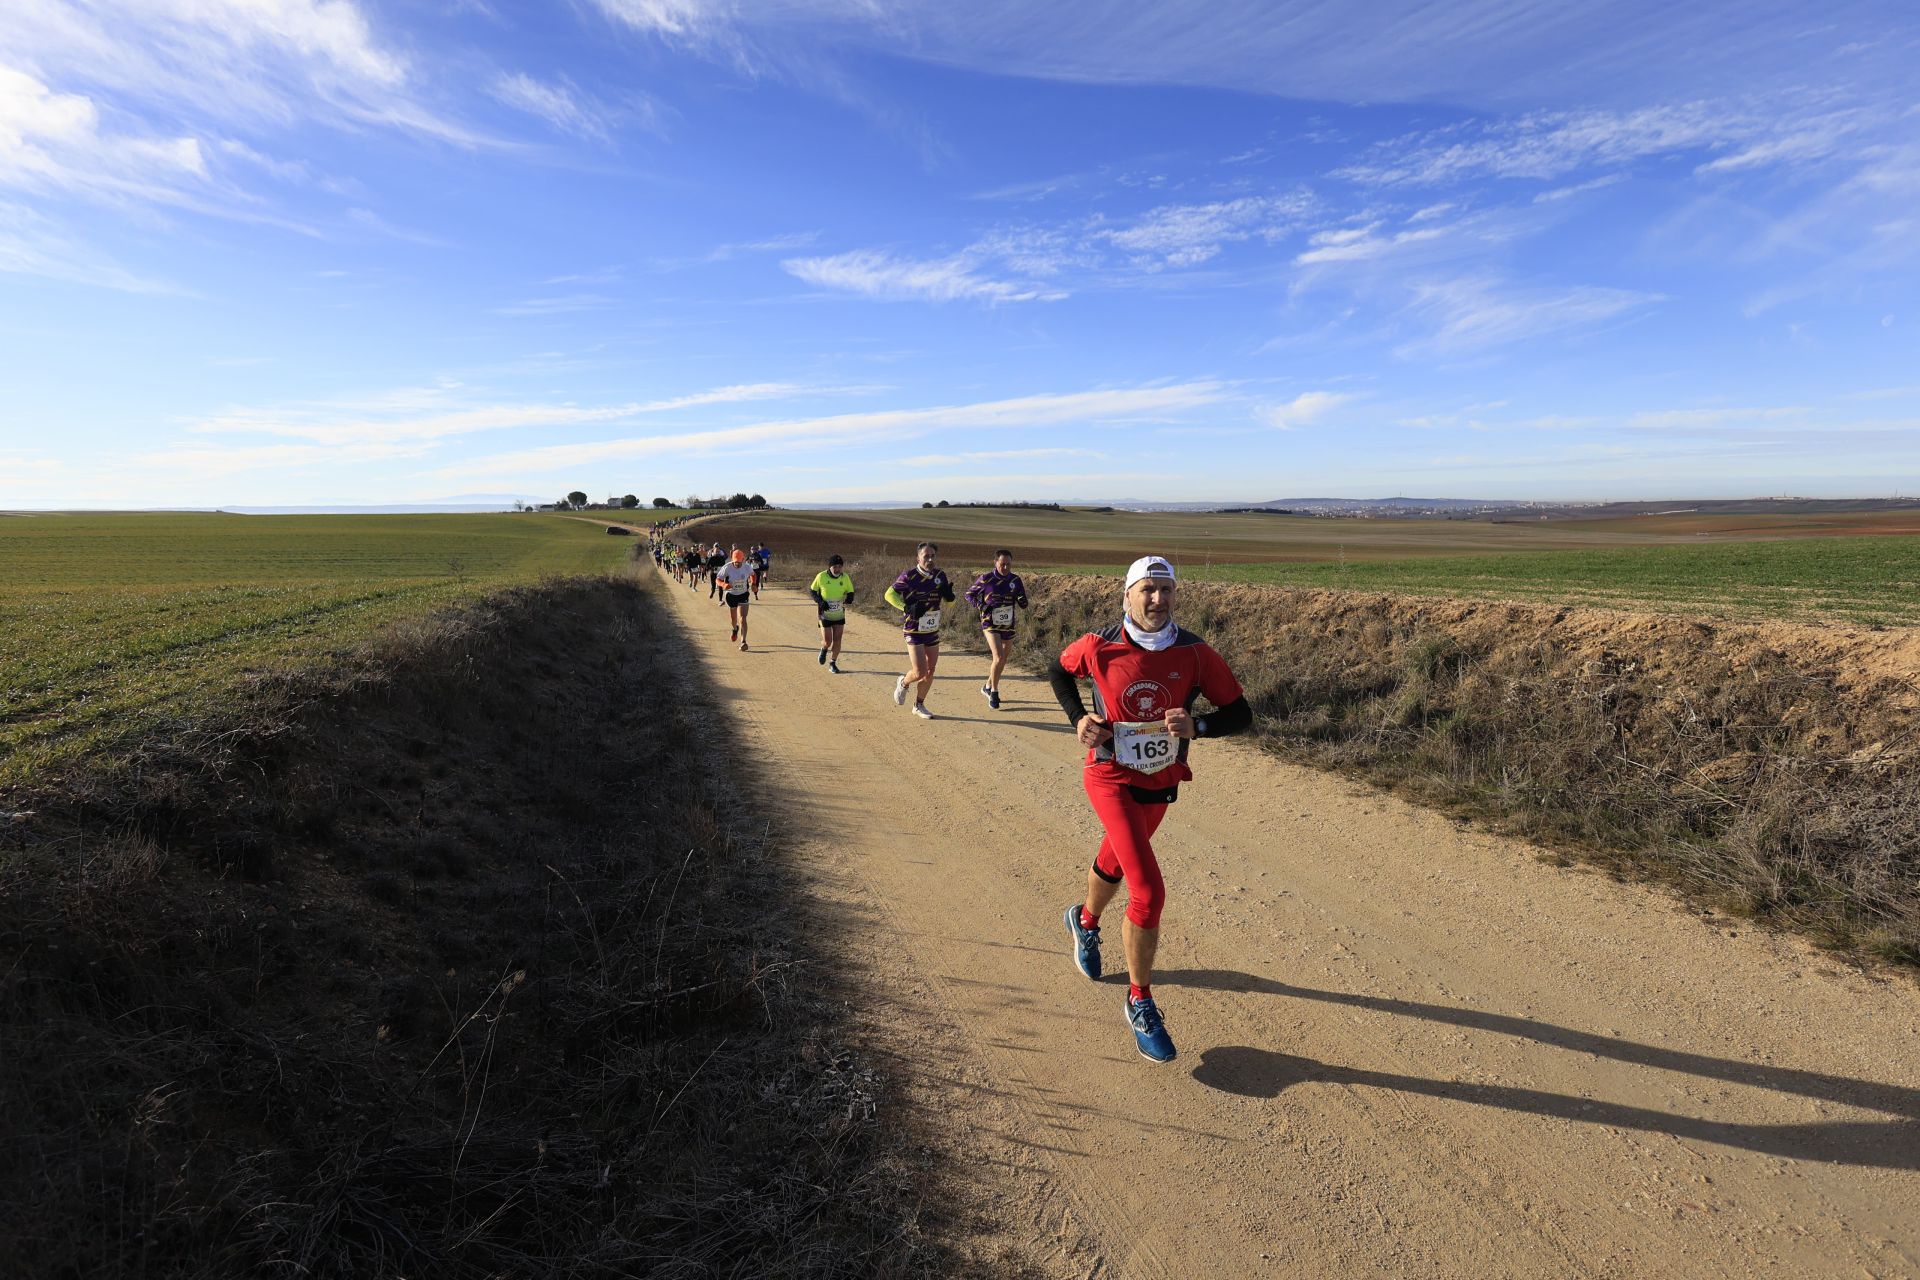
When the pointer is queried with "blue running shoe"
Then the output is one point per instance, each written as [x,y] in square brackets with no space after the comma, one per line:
[1149,1032]
[1086,944]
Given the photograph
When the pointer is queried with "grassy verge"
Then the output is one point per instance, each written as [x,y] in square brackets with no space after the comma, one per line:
[451,958]
[1767,771]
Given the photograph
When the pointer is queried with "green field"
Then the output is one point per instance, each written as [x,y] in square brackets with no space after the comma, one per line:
[113,623]
[1796,568]
[1871,580]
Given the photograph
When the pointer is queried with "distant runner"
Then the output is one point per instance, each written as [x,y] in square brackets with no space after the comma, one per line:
[917,593]
[1146,673]
[832,592]
[691,564]
[996,594]
[736,582]
[716,560]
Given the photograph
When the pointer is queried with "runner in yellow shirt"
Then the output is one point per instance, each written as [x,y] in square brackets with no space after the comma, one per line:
[832,592]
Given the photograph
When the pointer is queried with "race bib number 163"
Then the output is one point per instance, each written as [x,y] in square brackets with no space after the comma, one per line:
[1144,746]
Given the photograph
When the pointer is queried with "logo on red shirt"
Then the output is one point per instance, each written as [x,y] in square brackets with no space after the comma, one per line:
[1145,700]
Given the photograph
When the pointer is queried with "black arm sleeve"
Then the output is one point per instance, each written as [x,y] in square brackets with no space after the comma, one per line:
[1067,690]
[1235,717]
[819,599]
[946,592]
[849,597]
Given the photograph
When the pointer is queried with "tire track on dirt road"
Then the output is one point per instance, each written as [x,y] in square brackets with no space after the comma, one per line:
[1405,1048]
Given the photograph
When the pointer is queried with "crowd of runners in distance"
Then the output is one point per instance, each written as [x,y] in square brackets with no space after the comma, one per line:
[1147,674]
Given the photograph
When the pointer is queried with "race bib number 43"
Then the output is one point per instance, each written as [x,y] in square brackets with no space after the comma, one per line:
[929,622]
[1145,746]
[1002,615]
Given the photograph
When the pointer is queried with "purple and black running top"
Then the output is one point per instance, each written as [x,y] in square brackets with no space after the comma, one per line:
[917,594]
[995,590]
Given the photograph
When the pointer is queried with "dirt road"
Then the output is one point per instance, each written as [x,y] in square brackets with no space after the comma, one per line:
[1406,1048]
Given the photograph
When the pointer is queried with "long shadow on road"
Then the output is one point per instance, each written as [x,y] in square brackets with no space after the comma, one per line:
[1262,1073]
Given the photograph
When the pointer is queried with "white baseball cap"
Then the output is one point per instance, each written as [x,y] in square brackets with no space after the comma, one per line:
[1148,567]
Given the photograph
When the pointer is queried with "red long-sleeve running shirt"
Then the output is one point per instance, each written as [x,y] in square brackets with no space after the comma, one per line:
[1135,684]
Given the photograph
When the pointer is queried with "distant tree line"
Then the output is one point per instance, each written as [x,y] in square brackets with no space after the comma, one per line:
[1016,506]
[578,501]
[737,502]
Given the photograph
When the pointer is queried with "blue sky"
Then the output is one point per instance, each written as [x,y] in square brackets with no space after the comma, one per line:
[265,252]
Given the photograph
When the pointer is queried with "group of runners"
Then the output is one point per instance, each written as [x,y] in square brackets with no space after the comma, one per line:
[1147,674]
[733,577]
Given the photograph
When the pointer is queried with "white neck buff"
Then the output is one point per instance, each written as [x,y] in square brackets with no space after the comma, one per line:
[1153,640]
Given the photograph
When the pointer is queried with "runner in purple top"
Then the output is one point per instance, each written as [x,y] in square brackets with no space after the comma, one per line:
[996,594]
[918,593]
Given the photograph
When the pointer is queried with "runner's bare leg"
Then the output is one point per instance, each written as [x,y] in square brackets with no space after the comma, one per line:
[927,658]
[1000,646]
[1139,944]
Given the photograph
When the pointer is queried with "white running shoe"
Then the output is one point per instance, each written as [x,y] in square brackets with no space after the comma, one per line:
[900,692]
[920,709]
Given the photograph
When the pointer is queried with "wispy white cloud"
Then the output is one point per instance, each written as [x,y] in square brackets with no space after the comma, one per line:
[442,412]
[1356,244]
[875,274]
[1579,188]
[1188,234]
[1138,404]
[1474,314]
[1025,262]
[1545,145]
[163,104]
[1305,409]
[53,142]
[562,105]
[244,64]
[1801,140]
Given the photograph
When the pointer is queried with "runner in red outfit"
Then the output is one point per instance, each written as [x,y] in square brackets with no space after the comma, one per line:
[1147,674]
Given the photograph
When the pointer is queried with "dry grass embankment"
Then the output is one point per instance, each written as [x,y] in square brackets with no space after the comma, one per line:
[459,957]
[1768,771]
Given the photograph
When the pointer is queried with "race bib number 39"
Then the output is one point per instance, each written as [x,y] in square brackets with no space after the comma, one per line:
[1003,615]
[929,622]
[1144,746]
